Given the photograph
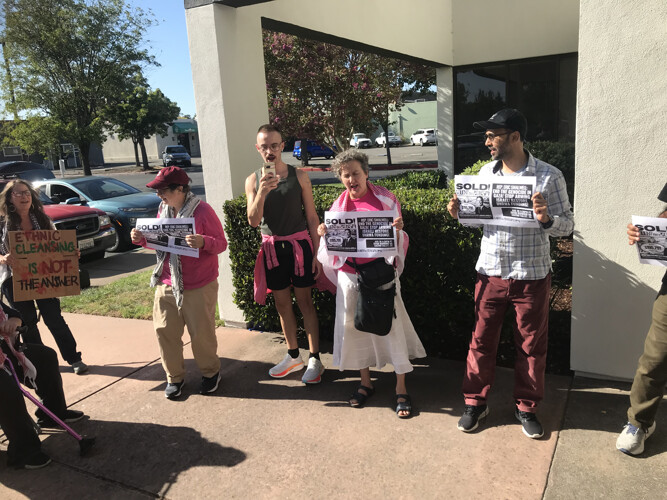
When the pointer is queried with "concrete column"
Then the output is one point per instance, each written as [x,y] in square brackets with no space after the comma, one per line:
[620,170]
[444,78]
[230,93]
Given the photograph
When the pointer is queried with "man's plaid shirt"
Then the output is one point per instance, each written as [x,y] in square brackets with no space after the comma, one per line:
[519,252]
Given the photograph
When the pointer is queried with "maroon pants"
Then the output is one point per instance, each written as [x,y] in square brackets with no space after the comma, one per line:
[530,300]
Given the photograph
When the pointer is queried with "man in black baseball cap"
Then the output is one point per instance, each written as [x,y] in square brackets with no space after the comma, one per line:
[509,119]
[514,272]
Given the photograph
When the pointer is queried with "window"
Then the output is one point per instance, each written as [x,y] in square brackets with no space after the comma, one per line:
[544,89]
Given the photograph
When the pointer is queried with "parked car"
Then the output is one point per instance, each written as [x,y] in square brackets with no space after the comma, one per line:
[28,170]
[315,150]
[394,140]
[176,155]
[360,141]
[123,203]
[423,136]
[94,231]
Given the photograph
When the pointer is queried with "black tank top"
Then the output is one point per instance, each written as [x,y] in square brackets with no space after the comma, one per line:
[283,213]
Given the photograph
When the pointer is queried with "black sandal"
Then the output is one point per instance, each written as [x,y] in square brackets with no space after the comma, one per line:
[403,405]
[360,397]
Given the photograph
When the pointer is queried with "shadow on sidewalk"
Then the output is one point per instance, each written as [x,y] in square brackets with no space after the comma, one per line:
[146,457]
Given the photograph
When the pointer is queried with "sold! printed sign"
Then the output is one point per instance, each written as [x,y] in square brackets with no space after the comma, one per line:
[47,264]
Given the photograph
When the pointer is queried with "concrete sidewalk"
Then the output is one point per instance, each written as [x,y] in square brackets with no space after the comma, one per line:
[259,437]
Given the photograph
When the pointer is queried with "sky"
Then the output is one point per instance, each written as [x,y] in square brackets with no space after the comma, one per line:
[168,42]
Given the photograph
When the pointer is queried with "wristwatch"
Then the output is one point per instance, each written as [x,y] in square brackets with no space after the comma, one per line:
[547,225]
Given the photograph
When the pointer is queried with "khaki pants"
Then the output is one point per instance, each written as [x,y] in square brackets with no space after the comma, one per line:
[648,387]
[198,314]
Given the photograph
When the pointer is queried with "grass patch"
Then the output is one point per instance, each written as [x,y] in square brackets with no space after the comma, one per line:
[129,297]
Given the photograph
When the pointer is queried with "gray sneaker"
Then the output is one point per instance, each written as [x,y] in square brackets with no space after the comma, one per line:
[531,426]
[471,417]
[173,390]
[631,440]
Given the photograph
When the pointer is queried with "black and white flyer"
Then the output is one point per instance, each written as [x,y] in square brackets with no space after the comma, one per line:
[652,244]
[169,235]
[498,201]
[361,234]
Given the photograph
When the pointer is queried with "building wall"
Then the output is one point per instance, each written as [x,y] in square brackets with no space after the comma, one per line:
[412,116]
[116,150]
[619,172]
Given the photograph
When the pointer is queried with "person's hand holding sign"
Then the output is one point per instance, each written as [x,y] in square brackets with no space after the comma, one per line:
[398,223]
[195,240]
[136,236]
[453,206]
[540,207]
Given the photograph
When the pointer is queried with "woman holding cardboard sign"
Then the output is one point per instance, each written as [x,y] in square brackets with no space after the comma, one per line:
[22,210]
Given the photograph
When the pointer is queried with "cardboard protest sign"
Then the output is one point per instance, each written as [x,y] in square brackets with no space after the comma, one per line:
[47,264]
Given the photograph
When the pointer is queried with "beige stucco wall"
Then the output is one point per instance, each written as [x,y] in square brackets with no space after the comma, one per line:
[619,171]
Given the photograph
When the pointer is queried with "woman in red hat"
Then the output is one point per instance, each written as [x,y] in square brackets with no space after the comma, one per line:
[186,287]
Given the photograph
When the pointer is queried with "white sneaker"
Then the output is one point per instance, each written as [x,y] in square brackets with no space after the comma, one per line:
[314,372]
[631,440]
[286,366]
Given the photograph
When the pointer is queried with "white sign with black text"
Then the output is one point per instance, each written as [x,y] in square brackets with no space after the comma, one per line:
[652,244]
[169,235]
[497,201]
[361,234]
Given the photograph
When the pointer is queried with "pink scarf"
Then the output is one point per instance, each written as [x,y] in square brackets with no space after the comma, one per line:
[268,249]
[332,263]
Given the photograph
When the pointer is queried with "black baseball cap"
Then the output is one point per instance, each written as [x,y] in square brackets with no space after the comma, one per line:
[510,119]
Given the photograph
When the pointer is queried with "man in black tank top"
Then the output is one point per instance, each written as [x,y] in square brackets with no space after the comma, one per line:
[278,195]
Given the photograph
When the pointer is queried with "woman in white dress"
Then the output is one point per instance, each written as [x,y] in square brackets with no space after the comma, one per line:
[354,349]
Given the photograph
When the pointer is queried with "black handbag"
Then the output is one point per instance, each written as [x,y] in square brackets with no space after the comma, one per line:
[375,311]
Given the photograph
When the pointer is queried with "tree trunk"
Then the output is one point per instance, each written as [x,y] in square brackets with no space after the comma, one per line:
[144,156]
[135,143]
[84,152]
[386,145]
[304,152]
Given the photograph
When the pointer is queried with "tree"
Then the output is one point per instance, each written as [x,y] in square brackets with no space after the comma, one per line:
[140,114]
[71,60]
[327,92]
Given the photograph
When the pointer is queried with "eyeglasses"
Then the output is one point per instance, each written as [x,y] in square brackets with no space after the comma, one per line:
[273,147]
[21,194]
[160,192]
[491,137]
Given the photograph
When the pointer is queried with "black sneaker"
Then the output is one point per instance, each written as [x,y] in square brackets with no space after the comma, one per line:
[209,384]
[69,417]
[173,390]
[471,416]
[37,461]
[531,426]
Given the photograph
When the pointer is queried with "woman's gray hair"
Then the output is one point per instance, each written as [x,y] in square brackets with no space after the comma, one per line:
[348,156]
